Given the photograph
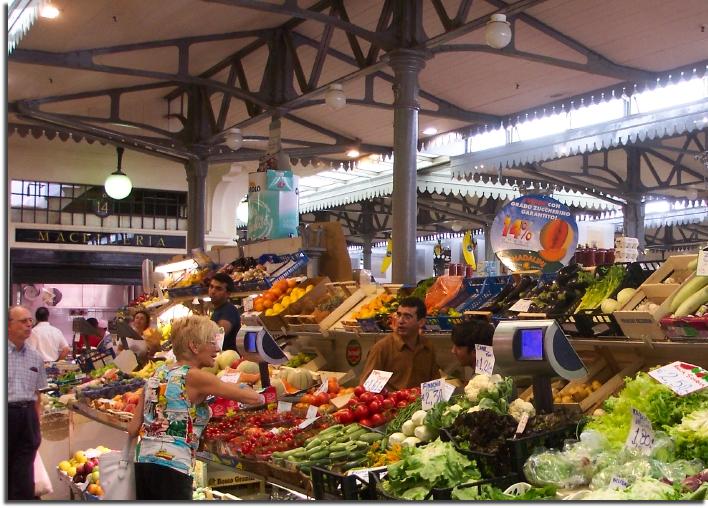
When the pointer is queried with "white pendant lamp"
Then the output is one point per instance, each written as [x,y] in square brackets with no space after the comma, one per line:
[498,31]
[335,97]
[234,138]
[118,185]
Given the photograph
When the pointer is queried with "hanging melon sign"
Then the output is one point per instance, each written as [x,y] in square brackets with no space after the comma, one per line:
[534,232]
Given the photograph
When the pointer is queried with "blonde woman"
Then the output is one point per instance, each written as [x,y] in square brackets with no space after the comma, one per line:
[173,411]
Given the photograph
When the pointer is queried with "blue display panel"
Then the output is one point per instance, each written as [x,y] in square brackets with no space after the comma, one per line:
[531,344]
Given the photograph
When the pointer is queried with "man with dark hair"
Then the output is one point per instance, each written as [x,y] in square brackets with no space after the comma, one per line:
[225,313]
[25,377]
[404,352]
[468,334]
[46,339]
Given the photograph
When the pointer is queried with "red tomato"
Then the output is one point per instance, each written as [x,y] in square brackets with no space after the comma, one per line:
[388,403]
[361,412]
[377,420]
[359,390]
[320,399]
[402,403]
[375,407]
[366,422]
[344,416]
[366,397]
[412,396]
[378,397]
[384,392]
[415,390]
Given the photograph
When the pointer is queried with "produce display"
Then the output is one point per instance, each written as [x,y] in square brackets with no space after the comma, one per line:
[279,297]
[300,359]
[375,409]
[83,469]
[561,295]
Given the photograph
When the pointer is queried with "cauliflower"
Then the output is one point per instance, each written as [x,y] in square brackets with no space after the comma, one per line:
[519,407]
[493,387]
[476,385]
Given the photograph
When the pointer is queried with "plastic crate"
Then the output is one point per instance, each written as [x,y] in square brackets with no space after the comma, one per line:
[442,322]
[502,482]
[94,360]
[327,484]
[490,289]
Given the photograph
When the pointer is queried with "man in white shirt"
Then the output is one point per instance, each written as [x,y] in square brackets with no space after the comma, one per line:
[46,339]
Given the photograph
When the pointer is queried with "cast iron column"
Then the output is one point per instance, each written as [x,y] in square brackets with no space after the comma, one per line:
[406,65]
[196,203]
[633,211]
[366,251]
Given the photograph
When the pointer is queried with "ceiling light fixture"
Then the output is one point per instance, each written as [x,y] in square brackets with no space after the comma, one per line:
[234,138]
[430,131]
[335,97]
[353,153]
[49,11]
[498,31]
[118,185]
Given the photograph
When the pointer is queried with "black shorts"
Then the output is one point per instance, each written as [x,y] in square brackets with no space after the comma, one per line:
[153,481]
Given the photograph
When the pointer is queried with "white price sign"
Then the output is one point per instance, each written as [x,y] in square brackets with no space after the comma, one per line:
[448,390]
[702,268]
[284,407]
[311,412]
[641,435]
[231,378]
[431,393]
[377,380]
[306,423]
[521,427]
[521,306]
[683,378]
[363,474]
[325,384]
[484,359]
[618,483]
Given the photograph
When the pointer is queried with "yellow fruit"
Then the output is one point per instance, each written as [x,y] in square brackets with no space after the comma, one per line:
[269,312]
[277,308]
[64,465]
[71,471]
[309,288]
[285,302]
[80,457]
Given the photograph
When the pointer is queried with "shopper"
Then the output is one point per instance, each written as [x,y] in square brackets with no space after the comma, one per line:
[466,336]
[140,323]
[106,344]
[405,352]
[46,339]
[93,340]
[225,313]
[173,411]
[25,377]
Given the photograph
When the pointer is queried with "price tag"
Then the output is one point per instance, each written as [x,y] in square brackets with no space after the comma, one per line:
[702,268]
[363,474]
[641,435]
[306,423]
[618,483]
[311,412]
[521,427]
[248,304]
[377,380]
[325,384]
[341,401]
[231,377]
[284,407]
[683,378]
[448,390]
[484,359]
[522,305]
[431,393]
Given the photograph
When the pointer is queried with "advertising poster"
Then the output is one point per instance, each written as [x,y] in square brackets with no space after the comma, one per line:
[534,232]
[272,205]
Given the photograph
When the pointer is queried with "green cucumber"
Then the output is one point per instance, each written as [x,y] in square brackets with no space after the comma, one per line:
[353,427]
[371,437]
[299,453]
[693,302]
[314,443]
[362,445]
[333,428]
[354,436]
[339,455]
[354,463]
[338,447]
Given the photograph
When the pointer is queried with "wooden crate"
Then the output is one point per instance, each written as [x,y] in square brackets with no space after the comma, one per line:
[277,323]
[370,292]
[308,323]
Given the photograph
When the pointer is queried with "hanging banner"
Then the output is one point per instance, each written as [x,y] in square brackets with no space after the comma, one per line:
[272,205]
[389,256]
[534,232]
[468,250]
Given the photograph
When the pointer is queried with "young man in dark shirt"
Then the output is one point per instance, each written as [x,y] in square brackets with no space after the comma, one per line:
[225,313]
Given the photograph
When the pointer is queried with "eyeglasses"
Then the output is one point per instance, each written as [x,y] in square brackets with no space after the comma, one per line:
[25,320]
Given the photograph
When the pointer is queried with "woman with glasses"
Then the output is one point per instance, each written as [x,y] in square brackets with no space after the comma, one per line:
[173,412]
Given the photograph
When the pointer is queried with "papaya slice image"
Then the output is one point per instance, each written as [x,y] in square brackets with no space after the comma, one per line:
[552,255]
[554,235]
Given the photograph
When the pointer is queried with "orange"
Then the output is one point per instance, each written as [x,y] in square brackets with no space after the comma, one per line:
[258,305]
[291,283]
[267,303]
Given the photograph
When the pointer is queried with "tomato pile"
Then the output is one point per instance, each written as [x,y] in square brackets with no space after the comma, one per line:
[374,409]
[224,429]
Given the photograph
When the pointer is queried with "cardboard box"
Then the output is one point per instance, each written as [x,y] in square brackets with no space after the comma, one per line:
[279,247]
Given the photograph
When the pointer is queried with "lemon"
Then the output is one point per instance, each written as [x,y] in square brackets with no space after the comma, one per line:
[277,308]
[286,301]
[64,465]
[269,312]
[309,288]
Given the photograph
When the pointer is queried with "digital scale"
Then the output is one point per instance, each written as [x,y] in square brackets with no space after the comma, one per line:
[539,348]
[255,344]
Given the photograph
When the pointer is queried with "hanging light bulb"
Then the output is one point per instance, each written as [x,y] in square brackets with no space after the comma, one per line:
[234,138]
[118,185]
[335,97]
[498,31]
[49,11]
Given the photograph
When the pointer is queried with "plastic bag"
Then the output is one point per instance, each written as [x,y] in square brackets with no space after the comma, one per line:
[442,291]
[118,473]
[42,484]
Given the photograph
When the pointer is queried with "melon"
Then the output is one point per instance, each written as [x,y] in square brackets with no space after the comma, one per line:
[226,358]
[248,367]
[212,370]
[624,296]
[299,378]
[279,387]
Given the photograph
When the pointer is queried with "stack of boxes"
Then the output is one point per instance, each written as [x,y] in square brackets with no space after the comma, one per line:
[626,249]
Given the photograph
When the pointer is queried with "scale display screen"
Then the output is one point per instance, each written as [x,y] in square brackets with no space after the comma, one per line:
[531,341]
[249,342]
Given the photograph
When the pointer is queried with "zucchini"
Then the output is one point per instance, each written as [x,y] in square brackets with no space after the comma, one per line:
[687,290]
[693,264]
[339,455]
[322,454]
[316,449]
[691,304]
[354,436]
[354,463]
[370,437]
[354,427]
[338,447]
[314,443]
